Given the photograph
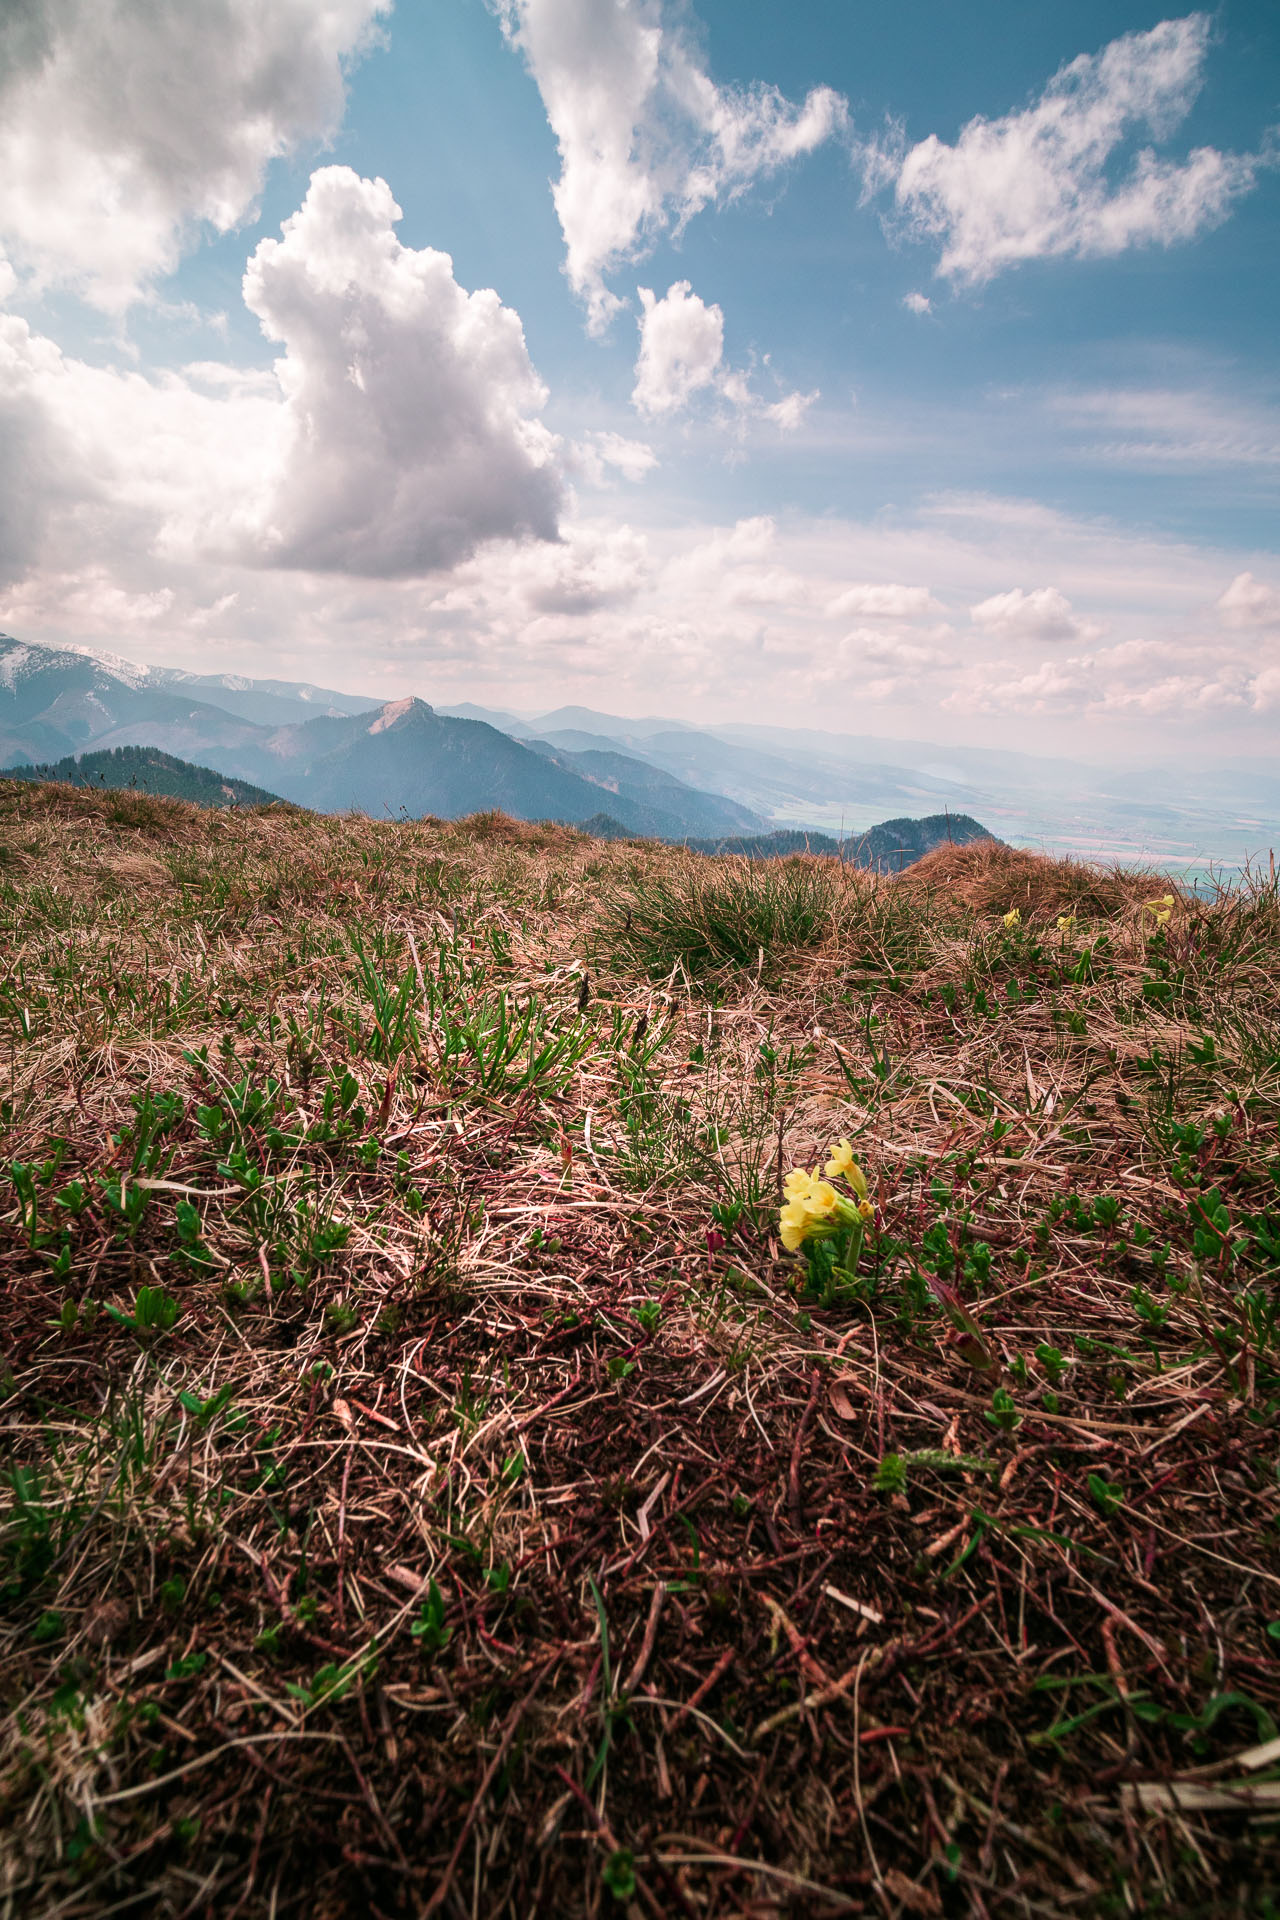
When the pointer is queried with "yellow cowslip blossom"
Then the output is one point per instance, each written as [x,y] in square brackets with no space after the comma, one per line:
[794,1221]
[1160,909]
[842,1165]
[1065,922]
[1013,918]
[815,1209]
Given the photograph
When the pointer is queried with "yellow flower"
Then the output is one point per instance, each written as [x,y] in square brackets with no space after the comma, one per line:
[842,1165]
[815,1210]
[1160,909]
[1013,918]
[1065,922]
[821,1200]
[794,1220]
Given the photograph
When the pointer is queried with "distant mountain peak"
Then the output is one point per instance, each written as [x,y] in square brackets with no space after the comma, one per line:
[397,710]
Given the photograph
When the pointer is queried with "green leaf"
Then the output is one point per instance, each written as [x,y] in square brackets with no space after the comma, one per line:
[619,1874]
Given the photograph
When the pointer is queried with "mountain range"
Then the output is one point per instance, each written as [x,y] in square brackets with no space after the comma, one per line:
[654,775]
[334,751]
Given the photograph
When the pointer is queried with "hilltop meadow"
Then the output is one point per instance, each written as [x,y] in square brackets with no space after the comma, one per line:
[429,1484]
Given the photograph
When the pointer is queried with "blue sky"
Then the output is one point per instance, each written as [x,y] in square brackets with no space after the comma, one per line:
[953,412]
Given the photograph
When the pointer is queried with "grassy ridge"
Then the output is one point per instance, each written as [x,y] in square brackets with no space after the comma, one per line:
[429,1487]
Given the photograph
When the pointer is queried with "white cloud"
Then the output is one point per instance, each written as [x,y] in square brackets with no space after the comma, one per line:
[595,567]
[1162,677]
[1165,679]
[1057,686]
[1044,614]
[398,433]
[595,455]
[788,413]
[1046,181]
[765,587]
[646,137]
[682,354]
[1250,603]
[411,433]
[892,650]
[124,122]
[681,348]
[886,602]
[917,303]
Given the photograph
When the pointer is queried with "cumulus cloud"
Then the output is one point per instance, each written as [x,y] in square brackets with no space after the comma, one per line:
[397,433]
[1250,603]
[681,348]
[886,602]
[596,567]
[124,122]
[1052,178]
[917,303]
[411,432]
[1058,686]
[1170,679]
[1044,614]
[682,354]
[646,137]
[97,465]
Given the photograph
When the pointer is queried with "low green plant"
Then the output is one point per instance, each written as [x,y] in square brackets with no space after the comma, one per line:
[1107,1495]
[333,1681]
[742,913]
[154,1312]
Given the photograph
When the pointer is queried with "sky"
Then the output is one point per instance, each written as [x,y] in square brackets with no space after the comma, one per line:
[902,371]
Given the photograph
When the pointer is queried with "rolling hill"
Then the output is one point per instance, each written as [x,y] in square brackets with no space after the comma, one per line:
[147,770]
[885,848]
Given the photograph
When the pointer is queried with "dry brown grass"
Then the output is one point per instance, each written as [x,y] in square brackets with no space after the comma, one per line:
[499,1528]
[989,877]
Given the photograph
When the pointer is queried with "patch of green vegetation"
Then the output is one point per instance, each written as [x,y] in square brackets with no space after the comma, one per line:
[698,918]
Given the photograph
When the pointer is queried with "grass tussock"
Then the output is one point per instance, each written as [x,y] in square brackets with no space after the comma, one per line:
[428,1486]
[990,877]
[694,916]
